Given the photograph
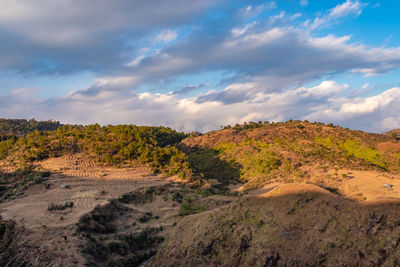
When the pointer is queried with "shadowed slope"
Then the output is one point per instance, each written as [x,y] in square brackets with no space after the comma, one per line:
[292,225]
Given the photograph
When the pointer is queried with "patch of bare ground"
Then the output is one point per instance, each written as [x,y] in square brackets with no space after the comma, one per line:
[129,230]
[290,225]
[76,180]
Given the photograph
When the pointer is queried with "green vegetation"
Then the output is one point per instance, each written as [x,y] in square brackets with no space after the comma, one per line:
[11,128]
[143,195]
[257,159]
[207,163]
[5,147]
[187,207]
[64,206]
[258,153]
[355,149]
[15,183]
[113,145]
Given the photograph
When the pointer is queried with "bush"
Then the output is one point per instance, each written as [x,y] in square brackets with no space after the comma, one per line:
[187,207]
[64,206]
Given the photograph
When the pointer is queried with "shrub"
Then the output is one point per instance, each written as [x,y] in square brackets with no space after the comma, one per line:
[53,206]
[187,207]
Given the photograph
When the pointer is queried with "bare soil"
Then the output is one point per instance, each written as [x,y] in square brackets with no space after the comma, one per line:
[74,179]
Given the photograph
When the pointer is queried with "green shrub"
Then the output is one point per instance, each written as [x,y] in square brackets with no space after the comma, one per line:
[355,149]
[187,207]
[53,206]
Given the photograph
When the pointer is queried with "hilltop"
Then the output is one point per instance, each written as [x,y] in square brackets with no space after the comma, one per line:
[263,194]
[21,127]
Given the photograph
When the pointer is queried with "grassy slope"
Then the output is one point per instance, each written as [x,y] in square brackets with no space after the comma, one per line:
[284,151]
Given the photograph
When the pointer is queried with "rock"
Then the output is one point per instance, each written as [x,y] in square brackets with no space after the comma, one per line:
[388,186]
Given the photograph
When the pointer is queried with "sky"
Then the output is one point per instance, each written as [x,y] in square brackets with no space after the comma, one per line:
[200,65]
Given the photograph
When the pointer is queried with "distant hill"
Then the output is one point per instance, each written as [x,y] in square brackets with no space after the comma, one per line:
[21,127]
[394,133]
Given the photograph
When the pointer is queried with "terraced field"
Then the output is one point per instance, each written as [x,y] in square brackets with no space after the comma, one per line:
[78,180]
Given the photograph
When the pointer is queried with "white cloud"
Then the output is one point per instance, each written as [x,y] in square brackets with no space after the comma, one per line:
[365,86]
[295,16]
[390,123]
[277,17]
[166,36]
[345,9]
[240,31]
[341,10]
[374,113]
[326,88]
[371,104]
[320,102]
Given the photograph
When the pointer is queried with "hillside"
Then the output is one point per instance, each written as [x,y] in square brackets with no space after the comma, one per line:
[291,152]
[293,225]
[256,194]
[21,127]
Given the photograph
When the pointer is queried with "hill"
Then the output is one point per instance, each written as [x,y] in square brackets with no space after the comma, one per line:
[21,127]
[294,151]
[259,194]
[293,225]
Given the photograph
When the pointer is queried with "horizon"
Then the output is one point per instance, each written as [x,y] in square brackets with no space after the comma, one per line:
[221,127]
[197,66]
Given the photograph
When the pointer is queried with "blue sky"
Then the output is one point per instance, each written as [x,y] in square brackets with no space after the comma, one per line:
[197,65]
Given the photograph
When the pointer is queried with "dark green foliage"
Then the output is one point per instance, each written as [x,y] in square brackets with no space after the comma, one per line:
[5,147]
[9,128]
[177,196]
[207,163]
[64,206]
[128,250]
[100,220]
[14,184]
[8,253]
[109,244]
[333,190]
[112,145]
[145,217]
[246,126]
[143,195]
[187,207]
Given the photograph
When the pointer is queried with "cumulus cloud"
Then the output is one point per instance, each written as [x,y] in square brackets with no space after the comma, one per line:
[371,113]
[187,113]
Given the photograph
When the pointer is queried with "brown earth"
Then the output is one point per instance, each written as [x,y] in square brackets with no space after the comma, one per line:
[89,184]
[291,225]
[279,224]
[284,131]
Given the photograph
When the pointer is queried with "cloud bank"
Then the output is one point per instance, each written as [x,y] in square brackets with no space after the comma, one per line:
[152,62]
